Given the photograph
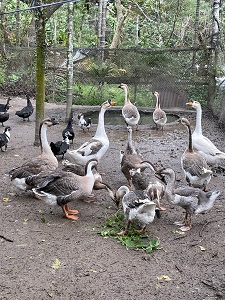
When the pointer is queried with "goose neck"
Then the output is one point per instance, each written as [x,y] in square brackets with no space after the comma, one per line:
[45,147]
[170,188]
[126,99]
[100,131]
[157,102]
[190,147]
[198,126]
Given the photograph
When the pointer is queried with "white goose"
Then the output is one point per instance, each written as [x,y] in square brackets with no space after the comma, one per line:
[195,168]
[138,209]
[159,115]
[193,200]
[129,111]
[97,146]
[202,144]
[60,187]
[43,163]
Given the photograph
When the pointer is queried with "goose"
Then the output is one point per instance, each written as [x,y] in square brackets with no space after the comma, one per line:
[193,200]
[98,185]
[61,187]
[195,168]
[5,138]
[130,112]
[84,124]
[45,162]
[213,156]
[138,209]
[69,128]
[5,107]
[4,116]
[60,147]
[130,158]
[152,184]
[26,111]
[97,146]
[159,115]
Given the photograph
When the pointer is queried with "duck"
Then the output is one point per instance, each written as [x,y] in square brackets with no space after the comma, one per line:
[60,188]
[138,209]
[97,146]
[21,176]
[205,147]
[84,124]
[5,138]
[26,111]
[5,107]
[193,200]
[130,158]
[194,166]
[152,184]
[159,115]
[60,147]
[69,128]
[130,111]
[4,116]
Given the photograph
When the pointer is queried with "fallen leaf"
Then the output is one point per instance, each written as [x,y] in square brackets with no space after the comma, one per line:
[25,221]
[56,264]
[202,248]
[5,199]
[164,278]
[179,232]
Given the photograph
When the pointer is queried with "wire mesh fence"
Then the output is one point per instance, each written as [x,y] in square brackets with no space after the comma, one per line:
[179,75]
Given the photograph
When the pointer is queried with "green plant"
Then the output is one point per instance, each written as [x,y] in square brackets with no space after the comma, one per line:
[133,239]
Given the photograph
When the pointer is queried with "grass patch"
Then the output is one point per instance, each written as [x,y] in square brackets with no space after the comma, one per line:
[133,239]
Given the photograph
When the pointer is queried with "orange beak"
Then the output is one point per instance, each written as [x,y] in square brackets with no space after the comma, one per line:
[189,103]
[112,103]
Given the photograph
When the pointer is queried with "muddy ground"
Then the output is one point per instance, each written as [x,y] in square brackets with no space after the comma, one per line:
[49,257]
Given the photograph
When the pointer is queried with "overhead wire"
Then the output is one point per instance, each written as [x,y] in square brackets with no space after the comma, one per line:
[37,6]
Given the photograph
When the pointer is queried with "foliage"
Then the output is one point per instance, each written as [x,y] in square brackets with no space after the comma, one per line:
[133,239]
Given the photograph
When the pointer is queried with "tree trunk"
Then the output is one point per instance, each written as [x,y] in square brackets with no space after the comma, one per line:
[102,23]
[40,74]
[119,26]
[69,96]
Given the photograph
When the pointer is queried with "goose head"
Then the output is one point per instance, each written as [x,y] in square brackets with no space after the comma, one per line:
[185,122]
[49,122]
[123,86]
[105,105]
[194,104]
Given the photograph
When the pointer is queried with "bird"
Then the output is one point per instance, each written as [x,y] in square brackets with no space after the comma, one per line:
[138,209]
[60,188]
[4,116]
[69,128]
[26,111]
[97,146]
[130,158]
[213,156]
[192,200]
[194,166]
[130,112]
[152,184]
[60,147]
[22,176]
[98,185]
[159,115]
[5,138]
[84,124]
[5,107]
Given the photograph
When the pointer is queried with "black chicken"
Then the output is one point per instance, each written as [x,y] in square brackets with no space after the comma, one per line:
[60,147]
[4,138]
[4,116]
[5,107]
[69,128]
[27,111]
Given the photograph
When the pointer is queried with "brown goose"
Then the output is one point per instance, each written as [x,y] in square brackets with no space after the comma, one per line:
[61,187]
[43,163]
[159,115]
[195,168]
[129,111]
[193,200]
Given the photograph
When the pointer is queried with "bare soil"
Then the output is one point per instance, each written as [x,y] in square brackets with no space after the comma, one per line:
[45,256]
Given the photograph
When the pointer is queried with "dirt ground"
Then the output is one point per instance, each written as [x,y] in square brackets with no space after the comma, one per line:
[64,259]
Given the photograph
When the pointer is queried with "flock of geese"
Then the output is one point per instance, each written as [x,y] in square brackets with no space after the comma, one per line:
[146,185]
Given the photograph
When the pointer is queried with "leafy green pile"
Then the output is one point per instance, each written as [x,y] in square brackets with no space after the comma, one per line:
[133,239]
